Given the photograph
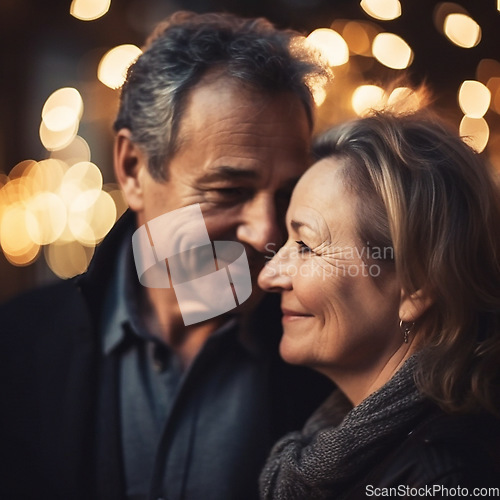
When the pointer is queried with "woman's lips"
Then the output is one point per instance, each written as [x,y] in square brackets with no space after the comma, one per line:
[291,315]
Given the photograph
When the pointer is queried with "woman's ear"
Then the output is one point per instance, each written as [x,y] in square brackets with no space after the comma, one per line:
[130,164]
[413,306]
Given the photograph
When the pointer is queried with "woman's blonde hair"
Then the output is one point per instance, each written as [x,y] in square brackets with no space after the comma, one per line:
[426,192]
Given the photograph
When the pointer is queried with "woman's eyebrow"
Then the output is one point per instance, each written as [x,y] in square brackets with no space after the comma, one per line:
[316,230]
[297,225]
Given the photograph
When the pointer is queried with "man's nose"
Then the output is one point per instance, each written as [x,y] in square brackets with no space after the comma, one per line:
[276,276]
[259,227]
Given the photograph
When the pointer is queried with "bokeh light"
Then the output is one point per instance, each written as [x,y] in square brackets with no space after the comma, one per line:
[76,151]
[62,109]
[14,191]
[60,118]
[319,94]
[486,69]
[89,10]
[68,259]
[21,169]
[475,132]
[494,87]
[51,204]
[91,220]
[404,100]
[81,177]
[392,51]
[118,197]
[357,38]
[366,98]
[474,98]
[61,115]
[332,47]
[16,242]
[25,259]
[53,140]
[46,175]
[462,30]
[112,69]
[384,10]
[45,218]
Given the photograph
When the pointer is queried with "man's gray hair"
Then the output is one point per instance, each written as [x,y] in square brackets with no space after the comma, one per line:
[182,49]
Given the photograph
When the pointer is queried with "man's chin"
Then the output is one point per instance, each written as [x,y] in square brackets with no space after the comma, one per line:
[252,302]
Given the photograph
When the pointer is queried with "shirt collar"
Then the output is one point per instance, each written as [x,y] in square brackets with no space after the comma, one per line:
[121,302]
[121,318]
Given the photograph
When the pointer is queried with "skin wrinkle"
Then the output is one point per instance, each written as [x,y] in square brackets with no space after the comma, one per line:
[331,252]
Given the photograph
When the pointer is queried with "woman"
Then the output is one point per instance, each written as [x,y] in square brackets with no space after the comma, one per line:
[390,284]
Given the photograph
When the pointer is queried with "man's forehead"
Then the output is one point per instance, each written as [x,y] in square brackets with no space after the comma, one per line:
[218,94]
[231,133]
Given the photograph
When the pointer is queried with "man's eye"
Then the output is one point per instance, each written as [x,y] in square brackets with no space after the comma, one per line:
[283,199]
[230,192]
[303,248]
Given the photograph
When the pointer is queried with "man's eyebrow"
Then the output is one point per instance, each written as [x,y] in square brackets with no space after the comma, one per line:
[229,173]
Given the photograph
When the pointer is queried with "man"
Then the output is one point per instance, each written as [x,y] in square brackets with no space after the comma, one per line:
[109,393]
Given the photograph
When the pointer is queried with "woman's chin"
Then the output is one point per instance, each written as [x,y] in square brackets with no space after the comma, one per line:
[291,352]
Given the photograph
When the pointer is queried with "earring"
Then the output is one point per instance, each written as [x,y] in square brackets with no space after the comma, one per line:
[406,329]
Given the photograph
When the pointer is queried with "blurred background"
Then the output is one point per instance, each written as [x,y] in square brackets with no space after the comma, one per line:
[62,63]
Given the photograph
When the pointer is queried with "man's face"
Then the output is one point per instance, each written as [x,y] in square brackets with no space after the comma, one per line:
[240,156]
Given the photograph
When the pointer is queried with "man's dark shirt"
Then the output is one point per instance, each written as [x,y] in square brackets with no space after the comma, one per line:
[62,425]
[150,377]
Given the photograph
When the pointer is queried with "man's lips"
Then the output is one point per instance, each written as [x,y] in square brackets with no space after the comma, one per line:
[293,315]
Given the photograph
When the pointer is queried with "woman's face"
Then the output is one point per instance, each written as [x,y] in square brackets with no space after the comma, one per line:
[340,302]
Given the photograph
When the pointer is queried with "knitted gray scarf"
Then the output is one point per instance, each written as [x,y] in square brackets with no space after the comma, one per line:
[324,458]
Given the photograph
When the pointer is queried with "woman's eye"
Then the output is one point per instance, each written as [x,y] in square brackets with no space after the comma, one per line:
[303,248]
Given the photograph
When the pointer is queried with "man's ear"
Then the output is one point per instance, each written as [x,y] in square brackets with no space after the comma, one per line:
[130,165]
[413,306]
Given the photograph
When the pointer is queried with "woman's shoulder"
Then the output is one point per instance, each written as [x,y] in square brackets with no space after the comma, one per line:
[443,451]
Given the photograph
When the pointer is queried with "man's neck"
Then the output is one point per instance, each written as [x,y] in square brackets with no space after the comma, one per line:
[163,319]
